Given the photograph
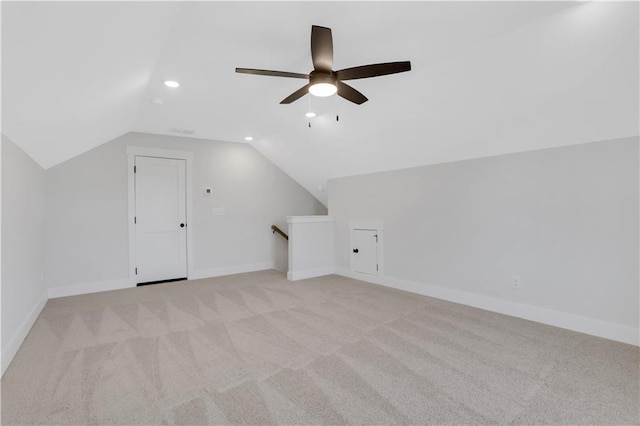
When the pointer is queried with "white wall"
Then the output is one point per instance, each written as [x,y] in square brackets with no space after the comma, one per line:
[565,220]
[23,235]
[87,211]
[310,247]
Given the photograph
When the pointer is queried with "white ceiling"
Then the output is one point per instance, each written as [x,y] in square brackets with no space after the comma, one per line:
[487,78]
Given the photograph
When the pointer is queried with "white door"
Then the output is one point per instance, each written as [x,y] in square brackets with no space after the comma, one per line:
[160,219]
[365,251]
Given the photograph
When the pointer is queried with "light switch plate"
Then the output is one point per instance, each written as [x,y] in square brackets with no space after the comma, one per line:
[516,282]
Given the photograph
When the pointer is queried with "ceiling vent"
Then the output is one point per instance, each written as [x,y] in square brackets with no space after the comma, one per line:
[182,131]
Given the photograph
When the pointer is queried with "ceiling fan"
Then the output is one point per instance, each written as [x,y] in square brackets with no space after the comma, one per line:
[323,80]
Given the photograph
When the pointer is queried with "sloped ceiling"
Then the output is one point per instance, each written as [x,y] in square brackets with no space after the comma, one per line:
[487,78]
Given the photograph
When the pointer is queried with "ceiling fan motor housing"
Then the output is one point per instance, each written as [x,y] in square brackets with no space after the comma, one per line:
[317,77]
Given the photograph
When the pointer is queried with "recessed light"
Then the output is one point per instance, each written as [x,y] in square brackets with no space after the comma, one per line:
[248,138]
[310,114]
[172,84]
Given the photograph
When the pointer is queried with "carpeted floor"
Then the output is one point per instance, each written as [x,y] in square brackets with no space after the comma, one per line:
[257,349]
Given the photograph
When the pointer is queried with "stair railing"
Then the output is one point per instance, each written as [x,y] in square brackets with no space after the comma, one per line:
[280,232]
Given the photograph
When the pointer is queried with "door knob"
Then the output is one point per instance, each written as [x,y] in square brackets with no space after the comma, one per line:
[182,225]
[355,250]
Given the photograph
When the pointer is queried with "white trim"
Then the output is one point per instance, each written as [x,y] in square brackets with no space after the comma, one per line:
[309,219]
[579,323]
[310,273]
[290,253]
[14,344]
[230,270]
[94,287]
[132,152]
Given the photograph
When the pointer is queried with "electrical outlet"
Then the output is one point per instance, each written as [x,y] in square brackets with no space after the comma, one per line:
[516,282]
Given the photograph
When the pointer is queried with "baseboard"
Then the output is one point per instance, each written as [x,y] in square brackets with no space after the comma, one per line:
[310,273]
[95,287]
[276,268]
[21,333]
[230,270]
[581,324]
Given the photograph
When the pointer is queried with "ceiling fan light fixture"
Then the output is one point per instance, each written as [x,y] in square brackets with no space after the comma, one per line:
[323,89]
[310,114]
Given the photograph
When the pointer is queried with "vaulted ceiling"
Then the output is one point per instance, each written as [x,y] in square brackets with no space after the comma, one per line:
[487,78]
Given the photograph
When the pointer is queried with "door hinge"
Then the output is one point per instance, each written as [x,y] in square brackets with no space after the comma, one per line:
[376,237]
[135,219]
[136,271]
[134,169]
[377,267]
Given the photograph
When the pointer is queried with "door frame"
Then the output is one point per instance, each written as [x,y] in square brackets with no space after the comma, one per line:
[372,225]
[132,152]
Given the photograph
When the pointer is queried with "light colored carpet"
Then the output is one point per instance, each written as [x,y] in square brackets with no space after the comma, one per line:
[257,349]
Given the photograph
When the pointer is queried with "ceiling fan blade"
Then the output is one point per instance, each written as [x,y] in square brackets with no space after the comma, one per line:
[271,73]
[322,48]
[351,94]
[296,95]
[373,70]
